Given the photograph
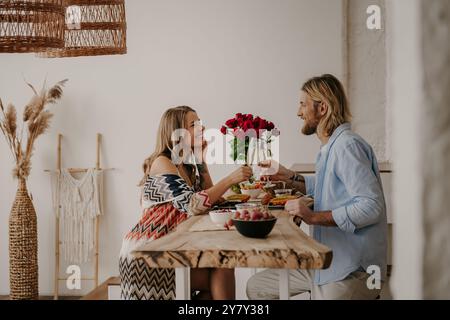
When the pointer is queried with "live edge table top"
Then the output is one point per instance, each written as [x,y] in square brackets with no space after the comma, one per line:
[287,247]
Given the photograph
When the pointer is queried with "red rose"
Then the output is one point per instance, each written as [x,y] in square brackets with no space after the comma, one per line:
[239,119]
[232,123]
[247,125]
[248,117]
[244,124]
[264,124]
[257,123]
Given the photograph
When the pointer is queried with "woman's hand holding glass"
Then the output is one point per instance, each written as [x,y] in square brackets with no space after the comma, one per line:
[243,173]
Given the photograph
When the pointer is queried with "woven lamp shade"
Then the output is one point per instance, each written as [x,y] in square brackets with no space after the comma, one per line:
[93,27]
[31,25]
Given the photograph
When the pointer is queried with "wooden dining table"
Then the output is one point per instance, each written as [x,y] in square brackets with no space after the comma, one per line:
[192,245]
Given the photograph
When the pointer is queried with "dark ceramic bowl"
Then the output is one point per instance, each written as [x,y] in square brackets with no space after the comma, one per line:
[255,229]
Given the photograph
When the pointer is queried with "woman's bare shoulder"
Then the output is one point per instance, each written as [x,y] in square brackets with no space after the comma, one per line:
[163,165]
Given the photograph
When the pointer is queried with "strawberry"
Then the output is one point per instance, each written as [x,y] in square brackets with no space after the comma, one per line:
[256,216]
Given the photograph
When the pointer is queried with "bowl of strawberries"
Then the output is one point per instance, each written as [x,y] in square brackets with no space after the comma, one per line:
[253,220]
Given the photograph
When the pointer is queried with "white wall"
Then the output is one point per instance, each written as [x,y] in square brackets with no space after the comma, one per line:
[367,76]
[435,146]
[406,91]
[220,57]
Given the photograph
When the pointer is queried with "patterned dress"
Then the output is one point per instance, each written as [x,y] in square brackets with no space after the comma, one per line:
[167,200]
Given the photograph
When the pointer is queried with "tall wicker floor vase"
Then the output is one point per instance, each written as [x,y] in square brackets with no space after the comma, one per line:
[23,247]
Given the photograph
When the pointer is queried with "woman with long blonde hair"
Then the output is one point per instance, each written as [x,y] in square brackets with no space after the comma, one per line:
[175,186]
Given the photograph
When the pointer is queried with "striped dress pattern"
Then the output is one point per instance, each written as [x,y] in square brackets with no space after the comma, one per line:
[167,201]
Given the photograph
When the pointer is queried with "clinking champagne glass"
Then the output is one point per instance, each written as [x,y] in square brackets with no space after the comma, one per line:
[263,155]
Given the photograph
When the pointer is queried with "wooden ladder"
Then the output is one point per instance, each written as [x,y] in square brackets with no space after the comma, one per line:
[58,242]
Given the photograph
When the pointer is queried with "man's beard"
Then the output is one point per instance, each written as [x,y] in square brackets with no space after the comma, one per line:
[310,128]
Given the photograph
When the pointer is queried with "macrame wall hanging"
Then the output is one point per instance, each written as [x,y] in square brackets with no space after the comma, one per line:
[78,204]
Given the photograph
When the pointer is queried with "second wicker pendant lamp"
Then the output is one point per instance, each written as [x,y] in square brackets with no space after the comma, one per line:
[93,27]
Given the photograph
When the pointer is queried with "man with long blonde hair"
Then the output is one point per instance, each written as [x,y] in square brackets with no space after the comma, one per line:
[349,208]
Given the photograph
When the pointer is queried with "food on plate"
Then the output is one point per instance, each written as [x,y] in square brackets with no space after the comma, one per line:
[236,189]
[271,186]
[238,198]
[281,201]
[251,186]
[253,193]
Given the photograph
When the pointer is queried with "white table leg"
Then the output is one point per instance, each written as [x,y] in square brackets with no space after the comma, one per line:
[183,284]
[284,284]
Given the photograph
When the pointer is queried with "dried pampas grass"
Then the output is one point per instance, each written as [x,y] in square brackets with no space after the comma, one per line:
[36,121]
[11,121]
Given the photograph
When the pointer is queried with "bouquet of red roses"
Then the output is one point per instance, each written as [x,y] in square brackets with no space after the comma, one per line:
[247,129]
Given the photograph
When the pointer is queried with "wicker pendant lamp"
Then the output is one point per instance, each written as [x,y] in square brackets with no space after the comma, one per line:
[31,25]
[93,27]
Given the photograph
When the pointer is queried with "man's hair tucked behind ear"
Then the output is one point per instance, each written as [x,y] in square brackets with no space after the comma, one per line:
[329,90]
